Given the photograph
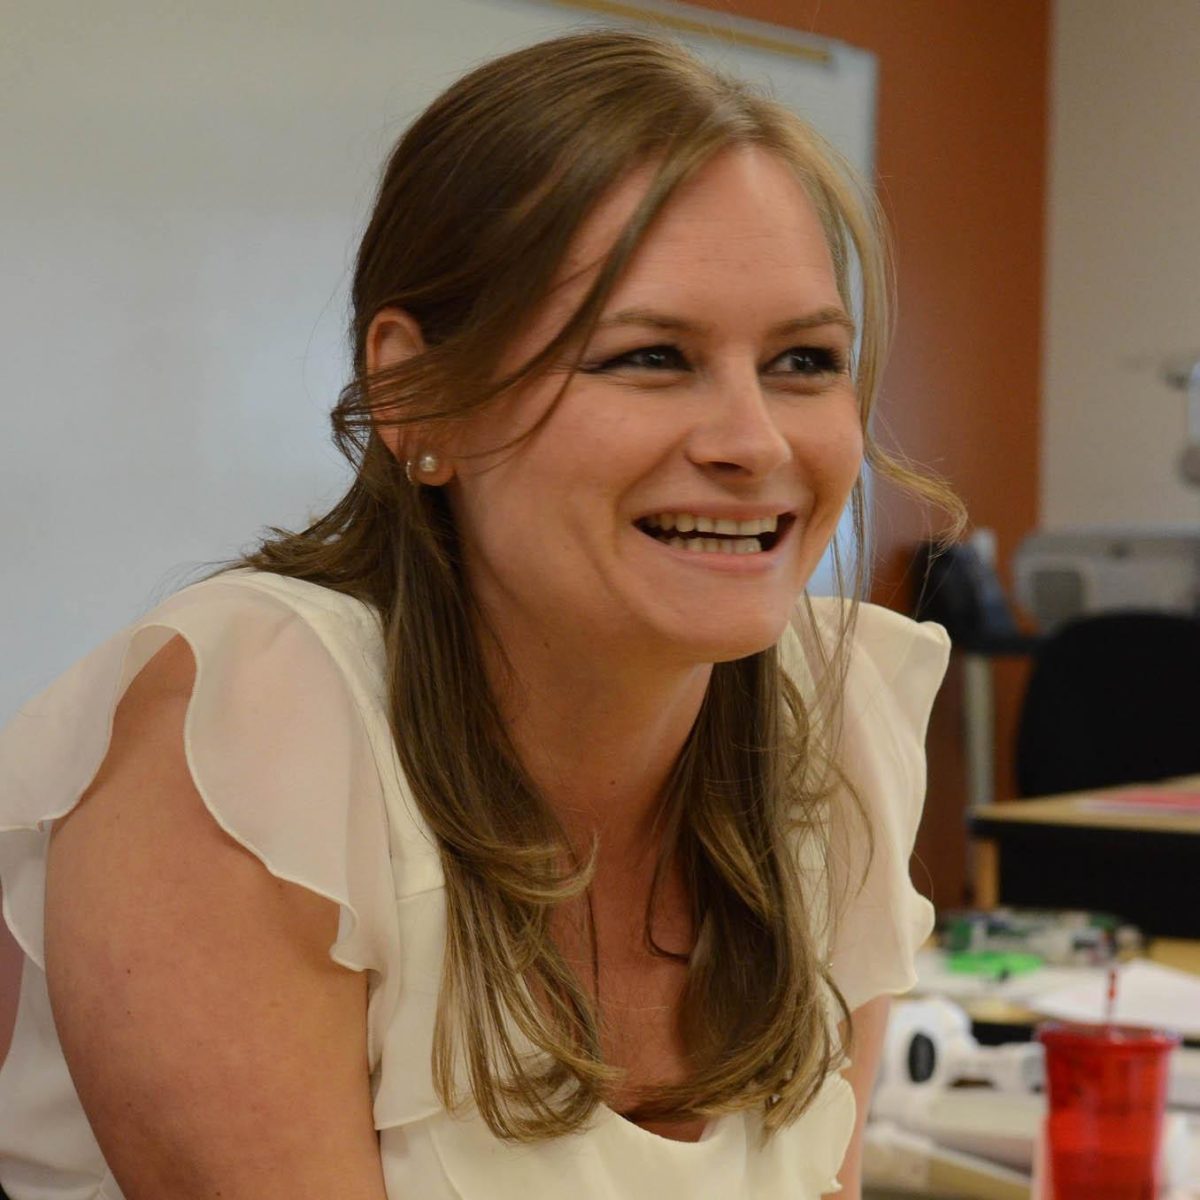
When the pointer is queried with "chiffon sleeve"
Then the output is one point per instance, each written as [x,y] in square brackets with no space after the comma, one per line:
[274,741]
[895,667]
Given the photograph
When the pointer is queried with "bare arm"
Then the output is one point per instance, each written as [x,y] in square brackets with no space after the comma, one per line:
[870,1025]
[216,1048]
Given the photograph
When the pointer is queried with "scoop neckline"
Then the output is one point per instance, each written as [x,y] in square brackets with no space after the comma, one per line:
[715,1129]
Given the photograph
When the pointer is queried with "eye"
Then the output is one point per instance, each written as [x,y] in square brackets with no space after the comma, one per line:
[808,360]
[645,358]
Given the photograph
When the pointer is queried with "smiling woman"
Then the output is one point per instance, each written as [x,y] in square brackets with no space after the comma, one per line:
[520,827]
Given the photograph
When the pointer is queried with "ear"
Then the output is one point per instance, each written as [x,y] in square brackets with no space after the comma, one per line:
[392,338]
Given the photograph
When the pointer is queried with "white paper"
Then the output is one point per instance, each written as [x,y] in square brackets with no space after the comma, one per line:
[1147,994]
[934,977]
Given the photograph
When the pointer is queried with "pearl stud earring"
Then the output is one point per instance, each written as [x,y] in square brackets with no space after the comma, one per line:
[425,464]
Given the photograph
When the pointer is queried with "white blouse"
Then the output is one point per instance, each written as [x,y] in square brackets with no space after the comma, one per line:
[288,742]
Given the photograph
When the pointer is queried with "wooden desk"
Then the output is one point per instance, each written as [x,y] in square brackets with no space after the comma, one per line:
[1057,853]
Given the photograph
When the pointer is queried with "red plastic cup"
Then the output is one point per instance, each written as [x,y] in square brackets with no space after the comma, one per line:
[1107,1087]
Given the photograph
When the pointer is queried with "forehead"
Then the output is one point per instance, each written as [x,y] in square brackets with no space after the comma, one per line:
[742,222]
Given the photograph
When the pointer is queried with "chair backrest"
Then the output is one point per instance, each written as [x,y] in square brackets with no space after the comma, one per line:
[1112,699]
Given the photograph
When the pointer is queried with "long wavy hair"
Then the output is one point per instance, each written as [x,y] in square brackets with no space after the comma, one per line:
[478,205]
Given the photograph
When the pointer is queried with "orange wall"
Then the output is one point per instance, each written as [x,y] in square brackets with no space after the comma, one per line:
[961,166]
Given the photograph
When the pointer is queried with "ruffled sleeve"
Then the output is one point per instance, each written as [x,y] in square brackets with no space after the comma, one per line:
[276,746]
[894,670]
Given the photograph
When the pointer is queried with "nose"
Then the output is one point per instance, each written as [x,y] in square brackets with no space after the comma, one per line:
[739,435]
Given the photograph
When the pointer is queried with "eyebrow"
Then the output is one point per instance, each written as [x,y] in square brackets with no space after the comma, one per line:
[647,318]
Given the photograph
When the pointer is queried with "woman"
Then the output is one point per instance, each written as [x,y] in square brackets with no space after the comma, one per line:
[507,832]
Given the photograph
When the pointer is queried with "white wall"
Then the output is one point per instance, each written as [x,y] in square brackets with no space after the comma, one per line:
[181,192]
[1123,289]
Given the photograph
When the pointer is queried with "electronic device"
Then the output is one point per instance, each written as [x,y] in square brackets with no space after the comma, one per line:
[929,1043]
[1065,574]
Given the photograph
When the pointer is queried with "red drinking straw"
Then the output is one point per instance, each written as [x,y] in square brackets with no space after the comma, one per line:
[1110,1001]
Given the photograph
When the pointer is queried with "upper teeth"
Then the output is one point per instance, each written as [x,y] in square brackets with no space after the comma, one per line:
[690,522]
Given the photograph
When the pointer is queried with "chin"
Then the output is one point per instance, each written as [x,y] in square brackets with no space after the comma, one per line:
[728,645]
[743,651]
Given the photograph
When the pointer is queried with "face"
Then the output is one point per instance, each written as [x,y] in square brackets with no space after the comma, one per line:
[676,500]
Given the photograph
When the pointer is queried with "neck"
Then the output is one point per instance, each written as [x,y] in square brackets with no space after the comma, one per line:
[598,737]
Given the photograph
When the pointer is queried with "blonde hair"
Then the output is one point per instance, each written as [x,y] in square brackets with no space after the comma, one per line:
[477,207]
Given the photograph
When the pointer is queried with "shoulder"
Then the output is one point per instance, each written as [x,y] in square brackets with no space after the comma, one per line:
[253,669]
[246,616]
[246,592]
[898,647]
[880,635]
[889,660]
[249,628]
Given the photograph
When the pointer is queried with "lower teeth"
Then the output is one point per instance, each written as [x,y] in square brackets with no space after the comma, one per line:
[746,545]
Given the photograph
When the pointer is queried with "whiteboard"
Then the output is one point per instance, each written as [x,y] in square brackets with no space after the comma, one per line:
[182,194]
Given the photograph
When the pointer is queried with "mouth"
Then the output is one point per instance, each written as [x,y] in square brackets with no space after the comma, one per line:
[716,535]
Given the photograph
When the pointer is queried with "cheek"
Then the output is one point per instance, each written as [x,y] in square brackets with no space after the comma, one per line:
[832,454]
[514,511]
[497,475]
[493,524]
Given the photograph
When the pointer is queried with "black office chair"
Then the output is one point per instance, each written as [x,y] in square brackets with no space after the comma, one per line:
[1112,699]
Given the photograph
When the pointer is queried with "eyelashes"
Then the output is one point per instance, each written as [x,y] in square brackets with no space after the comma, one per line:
[803,362]
[814,360]
[648,358]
